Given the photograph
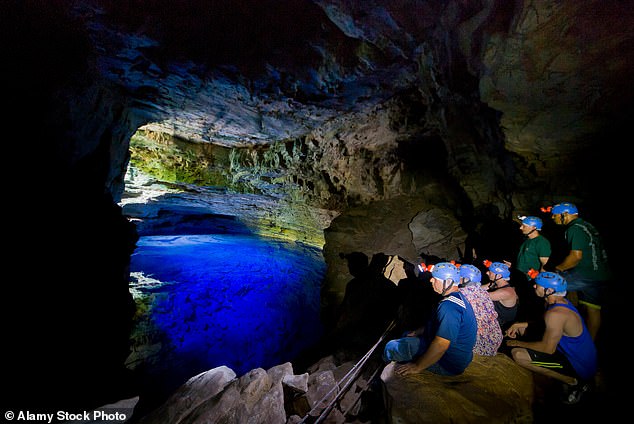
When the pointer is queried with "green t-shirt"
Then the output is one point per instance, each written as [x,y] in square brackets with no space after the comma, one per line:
[582,235]
[530,252]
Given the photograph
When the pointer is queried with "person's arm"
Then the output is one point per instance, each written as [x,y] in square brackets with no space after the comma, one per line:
[543,261]
[434,352]
[515,329]
[496,295]
[555,321]
[570,261]
[505,294]
[544,251]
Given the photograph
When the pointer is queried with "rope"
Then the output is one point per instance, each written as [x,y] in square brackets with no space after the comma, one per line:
[357,367]
[367,384]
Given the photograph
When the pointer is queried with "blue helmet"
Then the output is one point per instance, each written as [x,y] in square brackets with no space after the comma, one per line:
[446,271]
[501,269]
[551,280]
[470,272]
[533,221]
[560,208]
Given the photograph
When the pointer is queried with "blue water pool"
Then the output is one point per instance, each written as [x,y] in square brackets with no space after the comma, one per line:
[210,300]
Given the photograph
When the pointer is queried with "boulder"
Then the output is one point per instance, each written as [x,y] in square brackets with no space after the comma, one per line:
[196,391]
[493,389]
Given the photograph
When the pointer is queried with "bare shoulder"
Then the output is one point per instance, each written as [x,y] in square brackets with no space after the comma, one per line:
[561,314]
[509,291]
[558,312]
[559,309]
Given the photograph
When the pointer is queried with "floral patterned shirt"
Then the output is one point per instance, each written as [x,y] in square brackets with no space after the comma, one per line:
[490,335]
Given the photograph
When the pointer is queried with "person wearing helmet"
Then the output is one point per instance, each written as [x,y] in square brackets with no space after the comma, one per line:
[502,293]
[445,345]
[566,351]
[535,250]
[489,337]
[586,266]
[533,254]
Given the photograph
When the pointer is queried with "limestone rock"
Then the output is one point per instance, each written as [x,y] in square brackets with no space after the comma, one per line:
[121,408]
[298,383]
[491,390]
[438,232]
[195,391]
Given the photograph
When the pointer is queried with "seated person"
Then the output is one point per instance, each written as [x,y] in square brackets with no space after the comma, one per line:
[502,293]
[489,338]
[566,351]
[445,345]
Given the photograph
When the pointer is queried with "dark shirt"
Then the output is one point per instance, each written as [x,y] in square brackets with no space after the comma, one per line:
[506,314]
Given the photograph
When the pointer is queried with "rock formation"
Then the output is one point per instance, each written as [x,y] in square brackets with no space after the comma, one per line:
[425,116]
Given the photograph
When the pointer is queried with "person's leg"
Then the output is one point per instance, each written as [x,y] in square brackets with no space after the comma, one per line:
[591,299]
[587,296]
[401,350]
[546,364]
[575,283]
[523,359]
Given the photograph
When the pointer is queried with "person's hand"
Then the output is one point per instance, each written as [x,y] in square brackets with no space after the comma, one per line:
[406,369]
[515,329]
[511,332]
[507,263]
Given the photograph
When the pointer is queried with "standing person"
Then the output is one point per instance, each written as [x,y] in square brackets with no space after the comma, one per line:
[502,293]
[445,345]
[535,250]
[489,338]
[566,351]
[533,254]
[585,268]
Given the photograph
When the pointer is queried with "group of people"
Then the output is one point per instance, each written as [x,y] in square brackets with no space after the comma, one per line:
[481,318]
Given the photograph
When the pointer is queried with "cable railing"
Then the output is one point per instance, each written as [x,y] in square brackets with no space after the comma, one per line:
[346,380]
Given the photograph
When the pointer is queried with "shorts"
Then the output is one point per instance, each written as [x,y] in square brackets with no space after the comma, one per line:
[590,292]
[407,349]
[402,350]
[556,362]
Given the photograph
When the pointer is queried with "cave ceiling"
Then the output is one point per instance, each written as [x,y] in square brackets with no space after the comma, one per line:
[498,102]
[252,72]
[388,117]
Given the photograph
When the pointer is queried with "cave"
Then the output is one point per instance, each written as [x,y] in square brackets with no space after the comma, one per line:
[407,128]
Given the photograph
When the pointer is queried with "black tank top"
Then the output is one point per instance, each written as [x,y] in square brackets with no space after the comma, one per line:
[506,314]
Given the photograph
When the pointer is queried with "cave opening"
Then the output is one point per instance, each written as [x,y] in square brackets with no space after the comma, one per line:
[210,286]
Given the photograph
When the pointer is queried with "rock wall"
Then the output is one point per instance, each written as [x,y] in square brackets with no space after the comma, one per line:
[456,105]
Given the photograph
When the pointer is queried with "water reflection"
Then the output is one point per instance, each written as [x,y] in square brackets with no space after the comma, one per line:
[210,300]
